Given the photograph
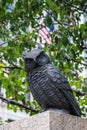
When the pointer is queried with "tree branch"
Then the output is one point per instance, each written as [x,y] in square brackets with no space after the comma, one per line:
[72,20]
[1,24]
[18,104]
[80,93]
[76,75]
[11,67]
[71,59]
[6,72]
[84,47]
[77,8]
[3,43]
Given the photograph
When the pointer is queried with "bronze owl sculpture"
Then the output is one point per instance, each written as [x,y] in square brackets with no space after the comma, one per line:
[48,85]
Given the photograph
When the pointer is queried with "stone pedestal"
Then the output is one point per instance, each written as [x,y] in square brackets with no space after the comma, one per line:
[49,120]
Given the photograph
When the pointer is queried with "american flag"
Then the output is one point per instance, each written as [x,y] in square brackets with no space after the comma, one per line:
[44,32]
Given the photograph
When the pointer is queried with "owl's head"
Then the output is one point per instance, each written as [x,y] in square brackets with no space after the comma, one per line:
[35,58]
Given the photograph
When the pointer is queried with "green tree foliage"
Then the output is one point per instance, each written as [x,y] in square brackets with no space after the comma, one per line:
[19,24]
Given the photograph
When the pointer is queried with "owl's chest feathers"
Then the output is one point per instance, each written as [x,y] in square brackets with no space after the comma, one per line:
[38,74]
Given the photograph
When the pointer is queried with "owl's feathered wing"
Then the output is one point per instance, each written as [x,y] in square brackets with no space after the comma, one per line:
[62,84]
[51,89]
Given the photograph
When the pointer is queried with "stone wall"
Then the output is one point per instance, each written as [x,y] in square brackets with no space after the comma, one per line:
[49,120]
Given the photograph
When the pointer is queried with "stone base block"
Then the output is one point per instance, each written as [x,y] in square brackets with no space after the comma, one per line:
[49,120]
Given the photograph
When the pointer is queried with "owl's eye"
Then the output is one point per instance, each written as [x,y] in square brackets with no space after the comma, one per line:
[28,60]
[43,59]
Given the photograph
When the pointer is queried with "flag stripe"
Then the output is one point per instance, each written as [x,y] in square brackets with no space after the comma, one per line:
[44,32]
[48,41]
